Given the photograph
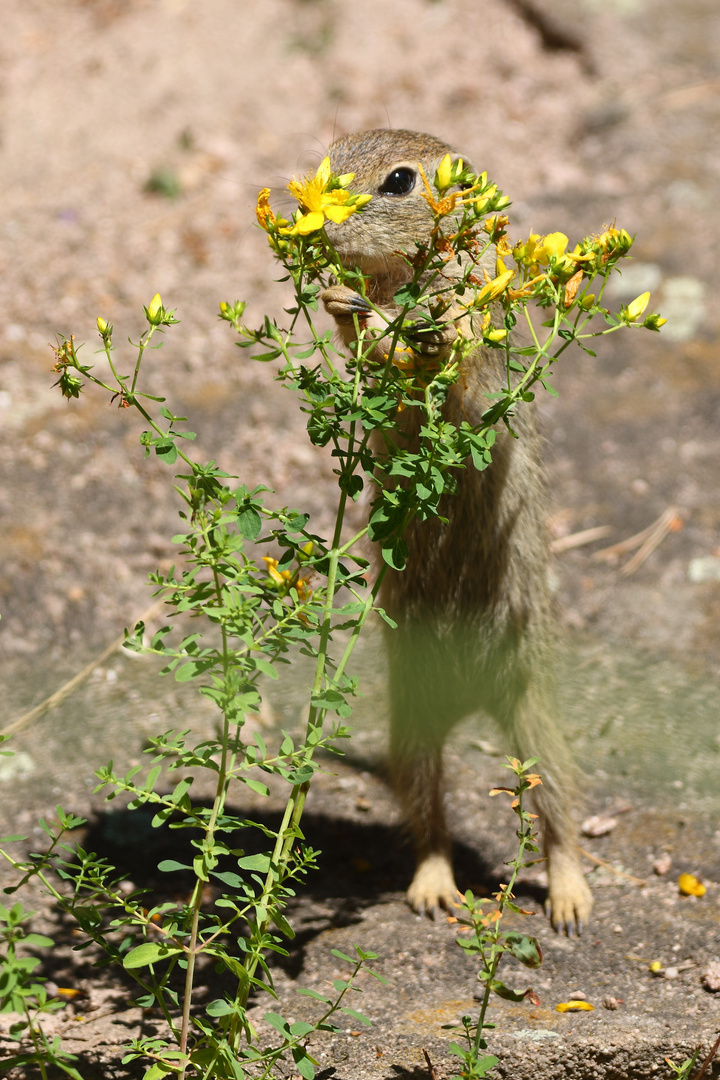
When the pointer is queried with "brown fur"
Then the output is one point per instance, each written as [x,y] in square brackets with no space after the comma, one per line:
[474,613]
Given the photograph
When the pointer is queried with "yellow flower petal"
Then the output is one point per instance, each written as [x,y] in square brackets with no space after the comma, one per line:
[636,308]
[494,288]
[264,213]
[306,224]
[154,309]
[574,1006]
[689,885]
[338,214]
[324,172]
[553,244]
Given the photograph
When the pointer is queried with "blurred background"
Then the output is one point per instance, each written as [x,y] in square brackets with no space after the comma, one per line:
[134,136]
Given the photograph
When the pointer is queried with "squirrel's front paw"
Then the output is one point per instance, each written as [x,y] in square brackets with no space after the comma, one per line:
[344,304]
[429,341]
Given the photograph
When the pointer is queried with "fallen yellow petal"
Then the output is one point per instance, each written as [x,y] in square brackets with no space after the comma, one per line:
[689,885]
[574,1006]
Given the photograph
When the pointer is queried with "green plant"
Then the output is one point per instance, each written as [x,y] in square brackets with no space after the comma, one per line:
[483,935]
[24,993]
[684,1071]
[251,615]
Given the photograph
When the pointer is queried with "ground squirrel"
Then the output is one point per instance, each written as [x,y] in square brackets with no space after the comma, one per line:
[473,607]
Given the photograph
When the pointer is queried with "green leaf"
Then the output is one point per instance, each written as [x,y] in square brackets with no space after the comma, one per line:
[356,1015]
[301,1028]
[152,778]
[282,924]
[38,941]
[278,1022]
[261,863]
[303,1063]
[265,667]
[220,1008]
[158,1070]
[523,948]
[233,881]
[249,523]
[166,449]
[167,866]
[301,775]
[504,991]
[313,994]
[343,956]
[149,953]
[256,785]
[407,295]
[395,554]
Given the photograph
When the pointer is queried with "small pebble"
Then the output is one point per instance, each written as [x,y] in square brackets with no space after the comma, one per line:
[710,977]
[662,864]
[598,825]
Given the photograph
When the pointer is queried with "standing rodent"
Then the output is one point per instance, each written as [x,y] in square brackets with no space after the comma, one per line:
[473,608]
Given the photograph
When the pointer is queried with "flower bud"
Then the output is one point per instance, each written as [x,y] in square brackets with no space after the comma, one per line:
[443,176]
[654,322]
[102,325]
[636,308]
[154,310]
[494,288]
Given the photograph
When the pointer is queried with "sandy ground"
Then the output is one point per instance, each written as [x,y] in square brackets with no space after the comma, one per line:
[584,113]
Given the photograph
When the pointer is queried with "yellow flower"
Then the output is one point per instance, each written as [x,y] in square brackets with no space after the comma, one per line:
[323,196]
[613,240]
[280,577]
[552,245]
[287,579]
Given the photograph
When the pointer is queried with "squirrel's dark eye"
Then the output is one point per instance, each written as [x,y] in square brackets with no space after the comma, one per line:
[398,182]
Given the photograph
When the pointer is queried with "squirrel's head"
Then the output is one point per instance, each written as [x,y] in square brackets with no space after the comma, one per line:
[385,164]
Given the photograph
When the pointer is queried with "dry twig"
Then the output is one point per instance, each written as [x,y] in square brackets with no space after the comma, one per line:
[646,541]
